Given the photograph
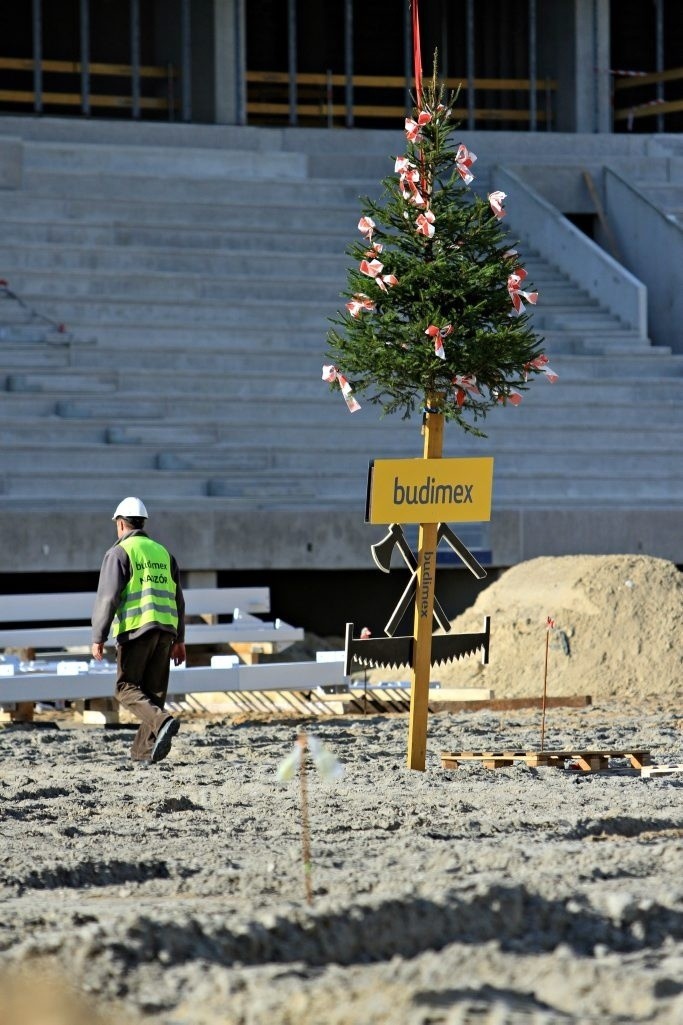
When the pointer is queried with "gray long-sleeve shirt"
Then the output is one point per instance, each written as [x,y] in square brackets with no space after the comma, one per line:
[114,575]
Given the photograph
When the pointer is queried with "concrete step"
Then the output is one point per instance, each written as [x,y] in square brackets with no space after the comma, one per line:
[284,337]
[186,211]
[144,286]
[83,313]
[96,458]
[659,412]
[161,162]
[180,237]
[51,431]
[346,489]
[229,190]
[231,298]
[239,355]
[303,382]
[379,439]
[557,460]
[29,484]
[32,354]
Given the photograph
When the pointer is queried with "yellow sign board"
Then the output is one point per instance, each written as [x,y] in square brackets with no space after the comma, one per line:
[429,490]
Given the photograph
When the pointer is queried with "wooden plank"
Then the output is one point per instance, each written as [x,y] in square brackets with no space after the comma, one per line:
[602,216]
[649,110]
[648,771]
[20,711]
[393,81]
[639,759]
[369,110]
[75,99]
[632,82]
[100,712]
[509,704]
[94,68]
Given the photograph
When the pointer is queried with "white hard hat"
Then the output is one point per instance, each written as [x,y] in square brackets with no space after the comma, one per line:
[130,507]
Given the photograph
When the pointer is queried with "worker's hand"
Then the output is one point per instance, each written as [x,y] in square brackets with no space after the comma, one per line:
[178,653]
[97,651]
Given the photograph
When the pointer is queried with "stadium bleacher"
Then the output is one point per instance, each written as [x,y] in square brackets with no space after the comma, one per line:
[195,270]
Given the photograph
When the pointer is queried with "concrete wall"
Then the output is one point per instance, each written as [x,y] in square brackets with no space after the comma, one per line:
[652,247]
[11,163]
[54,541]
[533,218]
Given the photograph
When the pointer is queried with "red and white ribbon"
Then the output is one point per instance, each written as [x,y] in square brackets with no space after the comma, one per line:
[496,202]
[366,227]
[425,224]
[360,302]
[512,396]
[541,363]
[464,158]
[376,249]
[330,374]
[373,269]
[409,178]
[438,334]
[413,127]
[516,293]
[464,383]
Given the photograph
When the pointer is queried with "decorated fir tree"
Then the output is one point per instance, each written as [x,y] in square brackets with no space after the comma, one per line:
[436,309]
[436,319]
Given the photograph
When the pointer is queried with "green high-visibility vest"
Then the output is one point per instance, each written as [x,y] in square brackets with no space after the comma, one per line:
[150,594]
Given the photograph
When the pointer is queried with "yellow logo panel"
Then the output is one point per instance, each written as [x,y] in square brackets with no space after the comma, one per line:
[429,490]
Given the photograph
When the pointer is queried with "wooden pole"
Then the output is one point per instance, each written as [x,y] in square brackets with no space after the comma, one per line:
[305,825]
[544,702]
[424,603]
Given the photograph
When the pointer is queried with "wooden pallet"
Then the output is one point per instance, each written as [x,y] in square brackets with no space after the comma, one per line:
[581,759]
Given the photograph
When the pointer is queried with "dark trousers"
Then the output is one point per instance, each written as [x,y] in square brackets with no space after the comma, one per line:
[141,684]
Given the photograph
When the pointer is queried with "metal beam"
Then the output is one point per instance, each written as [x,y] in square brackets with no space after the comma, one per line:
[186,60]
[659,55]
[76,605]
[408,57]
[240,63]
[471,71]
[292,60]
[533,66]
[135,57]
[85,56]
[293,676]
[37,57]
[348,61]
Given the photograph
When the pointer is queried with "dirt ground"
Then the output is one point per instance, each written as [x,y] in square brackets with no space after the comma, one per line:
[174,894]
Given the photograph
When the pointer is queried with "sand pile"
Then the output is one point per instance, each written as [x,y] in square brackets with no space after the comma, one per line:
[618,629]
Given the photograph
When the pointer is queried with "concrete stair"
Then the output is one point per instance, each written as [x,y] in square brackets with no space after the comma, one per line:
[198,287]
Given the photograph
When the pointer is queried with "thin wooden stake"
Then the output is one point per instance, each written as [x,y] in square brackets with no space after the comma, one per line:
[550,625]
[302,740]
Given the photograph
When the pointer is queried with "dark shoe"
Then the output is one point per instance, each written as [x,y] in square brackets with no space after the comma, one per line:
[162,745]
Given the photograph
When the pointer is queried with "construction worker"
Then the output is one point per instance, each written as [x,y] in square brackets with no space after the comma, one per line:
[139,591]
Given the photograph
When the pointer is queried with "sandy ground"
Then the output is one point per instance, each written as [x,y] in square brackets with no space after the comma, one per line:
[174,893]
